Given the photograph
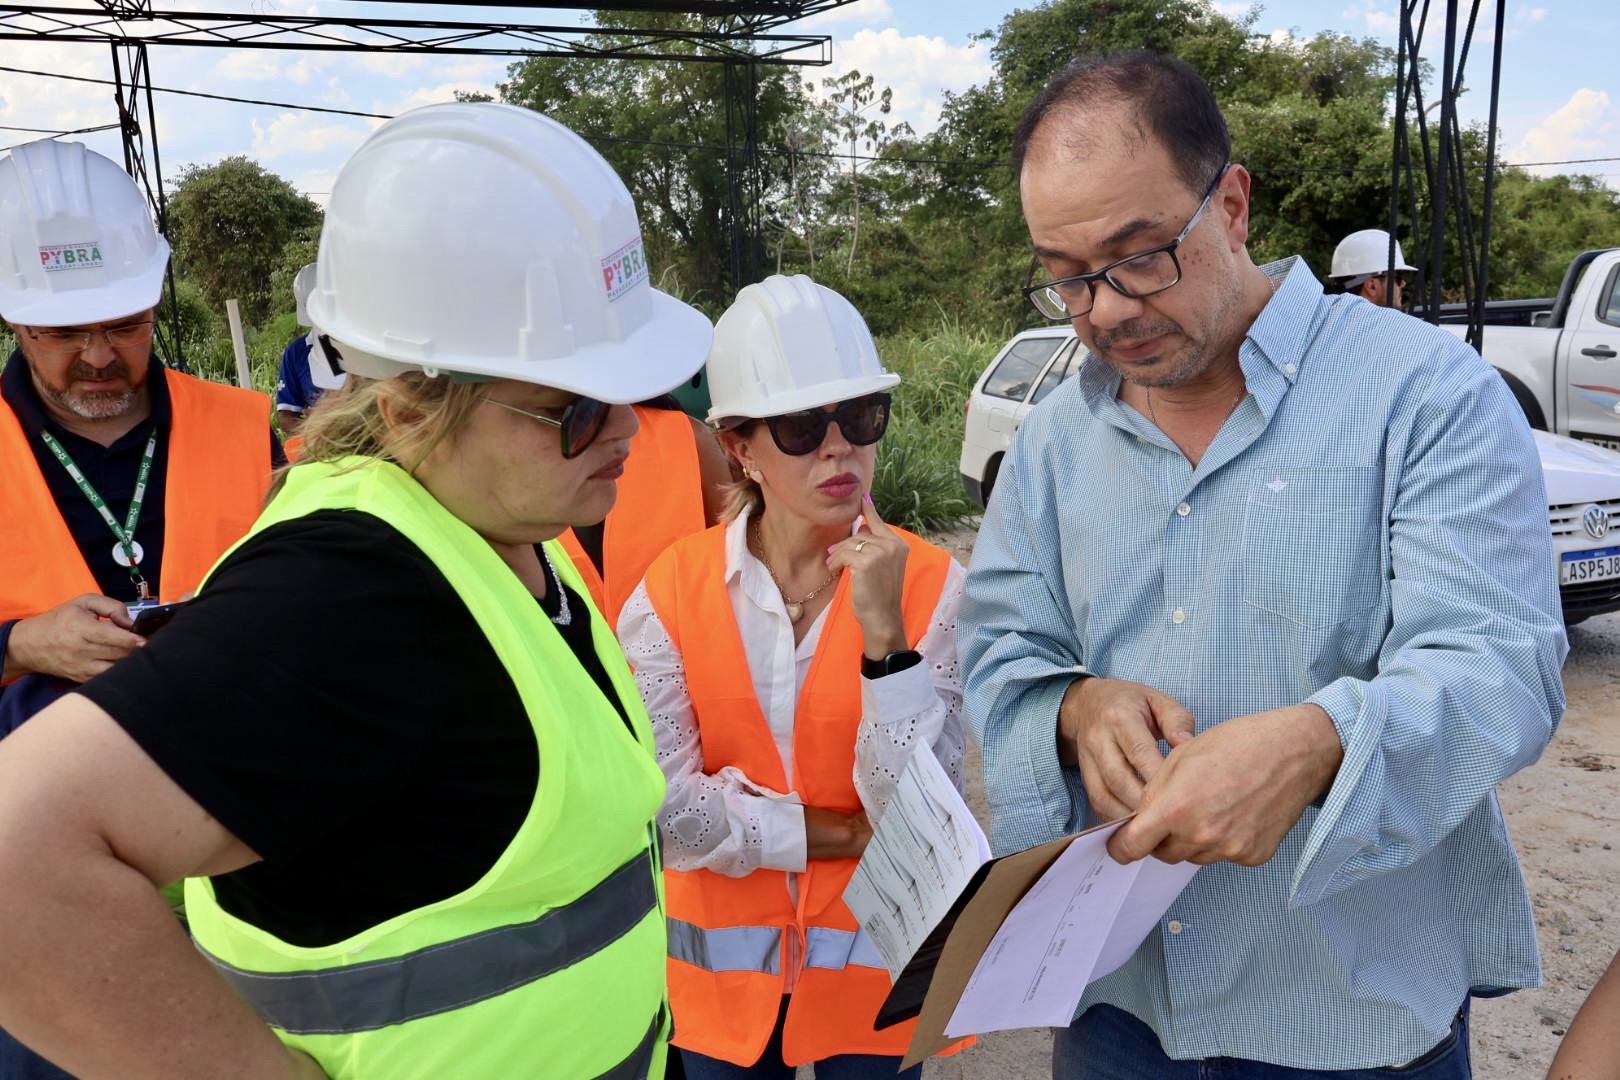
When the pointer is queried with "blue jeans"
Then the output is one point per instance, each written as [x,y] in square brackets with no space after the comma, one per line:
[1110,1044]
[770,1066]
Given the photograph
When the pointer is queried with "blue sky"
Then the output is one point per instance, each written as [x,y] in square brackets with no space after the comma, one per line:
[1560,82]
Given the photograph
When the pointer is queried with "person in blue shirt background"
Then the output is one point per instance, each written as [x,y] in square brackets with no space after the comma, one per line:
[1272,573]
[305,369]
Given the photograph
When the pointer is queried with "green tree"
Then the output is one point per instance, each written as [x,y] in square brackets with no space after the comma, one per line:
[852,96]
[663,128]
[229,223]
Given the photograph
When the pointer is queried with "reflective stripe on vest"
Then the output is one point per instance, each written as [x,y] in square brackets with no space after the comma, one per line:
[838,949]
[733,948]
[759,948]
[368,996]
[639,1062]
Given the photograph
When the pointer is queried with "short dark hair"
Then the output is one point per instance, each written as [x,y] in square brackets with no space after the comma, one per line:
[1172,103]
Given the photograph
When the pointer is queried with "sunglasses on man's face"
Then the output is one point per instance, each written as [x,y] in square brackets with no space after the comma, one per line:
[861,421]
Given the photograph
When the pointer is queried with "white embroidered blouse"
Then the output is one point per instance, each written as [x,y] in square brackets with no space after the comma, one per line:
[727,822]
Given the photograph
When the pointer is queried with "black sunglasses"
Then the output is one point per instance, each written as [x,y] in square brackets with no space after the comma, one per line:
[581,422]
[862,421]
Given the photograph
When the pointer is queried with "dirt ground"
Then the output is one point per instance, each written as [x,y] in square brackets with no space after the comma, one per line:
[1562,812]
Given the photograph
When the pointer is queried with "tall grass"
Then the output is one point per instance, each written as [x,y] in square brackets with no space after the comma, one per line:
[917,484]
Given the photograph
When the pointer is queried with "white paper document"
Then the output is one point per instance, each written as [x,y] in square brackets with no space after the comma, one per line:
[923,852]
[1084,917]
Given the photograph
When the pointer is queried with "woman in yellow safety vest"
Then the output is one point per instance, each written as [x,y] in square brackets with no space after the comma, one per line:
[792,661]
[391,744]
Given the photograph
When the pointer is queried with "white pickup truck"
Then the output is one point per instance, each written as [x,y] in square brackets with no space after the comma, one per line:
[1564,368]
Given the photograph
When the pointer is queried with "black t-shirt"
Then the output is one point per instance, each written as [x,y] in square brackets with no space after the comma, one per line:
[330,700]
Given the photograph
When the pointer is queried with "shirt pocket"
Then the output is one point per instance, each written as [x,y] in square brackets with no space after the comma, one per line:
[1313,543]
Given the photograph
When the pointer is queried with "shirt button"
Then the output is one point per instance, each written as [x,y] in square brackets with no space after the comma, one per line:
[1289,369]
[1174,926]
[1178,616]
[1184,509]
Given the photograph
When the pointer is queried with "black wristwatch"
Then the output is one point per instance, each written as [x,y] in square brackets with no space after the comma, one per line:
[895,661]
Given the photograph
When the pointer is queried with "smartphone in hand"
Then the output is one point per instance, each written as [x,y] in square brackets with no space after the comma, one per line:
[154,617]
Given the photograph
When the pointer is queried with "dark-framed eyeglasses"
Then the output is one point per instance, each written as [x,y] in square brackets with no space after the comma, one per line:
[123,336]
[581,422]
[862,421]
[1135,276]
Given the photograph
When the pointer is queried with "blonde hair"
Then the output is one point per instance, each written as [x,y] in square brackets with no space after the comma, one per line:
[348,422]
[741,493]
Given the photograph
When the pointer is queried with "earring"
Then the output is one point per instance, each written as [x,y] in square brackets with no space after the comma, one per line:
[756,476]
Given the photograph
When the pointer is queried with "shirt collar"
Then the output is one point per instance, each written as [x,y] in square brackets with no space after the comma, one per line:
[18,390]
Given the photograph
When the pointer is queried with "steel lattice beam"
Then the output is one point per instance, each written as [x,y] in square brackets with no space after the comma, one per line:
[337,34]
[1439,151]
[737,36]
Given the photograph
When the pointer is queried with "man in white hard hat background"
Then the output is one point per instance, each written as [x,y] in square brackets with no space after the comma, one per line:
[1362,265]
[306,371]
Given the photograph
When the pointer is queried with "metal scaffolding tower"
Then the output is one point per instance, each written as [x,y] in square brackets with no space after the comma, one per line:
[741,34]
[1439,200]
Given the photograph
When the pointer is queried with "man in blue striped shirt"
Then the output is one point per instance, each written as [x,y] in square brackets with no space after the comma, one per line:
[1273,573]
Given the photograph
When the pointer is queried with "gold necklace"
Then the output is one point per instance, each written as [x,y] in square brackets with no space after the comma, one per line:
[1242,392]
[795,608]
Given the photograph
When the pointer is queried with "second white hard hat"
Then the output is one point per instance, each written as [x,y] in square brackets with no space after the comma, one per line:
[303,284]
[490,241]
[77,244]
[787,344]
[1366,252]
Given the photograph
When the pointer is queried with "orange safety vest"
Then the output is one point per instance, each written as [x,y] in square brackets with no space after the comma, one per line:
[217,473]
[660,501]
[730,937]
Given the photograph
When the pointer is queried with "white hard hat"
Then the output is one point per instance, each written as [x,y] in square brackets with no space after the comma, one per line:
[787,344]
[303,285]
[489,240]
[1365,253]
[77,244]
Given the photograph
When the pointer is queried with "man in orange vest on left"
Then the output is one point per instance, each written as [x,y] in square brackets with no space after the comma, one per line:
[121,481]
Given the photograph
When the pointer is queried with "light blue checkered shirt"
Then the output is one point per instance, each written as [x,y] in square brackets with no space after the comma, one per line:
[1368,532]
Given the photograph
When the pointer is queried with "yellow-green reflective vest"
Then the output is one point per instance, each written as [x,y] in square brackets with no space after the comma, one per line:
[553,963]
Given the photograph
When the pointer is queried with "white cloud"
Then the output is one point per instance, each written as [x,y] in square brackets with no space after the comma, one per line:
[316,184]
[52,103]
[865,12]
[248,65]
[1375,15]
[917,68]
[1531,15]
[1587,125]
[305,133]
[1235,10]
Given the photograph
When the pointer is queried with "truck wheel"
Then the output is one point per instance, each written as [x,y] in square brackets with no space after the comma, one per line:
[1527,401]
[990,472]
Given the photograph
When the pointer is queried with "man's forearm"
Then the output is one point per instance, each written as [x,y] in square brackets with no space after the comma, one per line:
[96,975]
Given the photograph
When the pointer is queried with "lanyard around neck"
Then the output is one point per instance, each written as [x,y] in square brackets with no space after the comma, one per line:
[125,533]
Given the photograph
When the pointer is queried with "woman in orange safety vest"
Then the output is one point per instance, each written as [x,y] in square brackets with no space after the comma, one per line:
[791,659]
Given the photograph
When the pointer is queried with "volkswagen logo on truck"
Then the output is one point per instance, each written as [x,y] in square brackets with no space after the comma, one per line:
[1596,521]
